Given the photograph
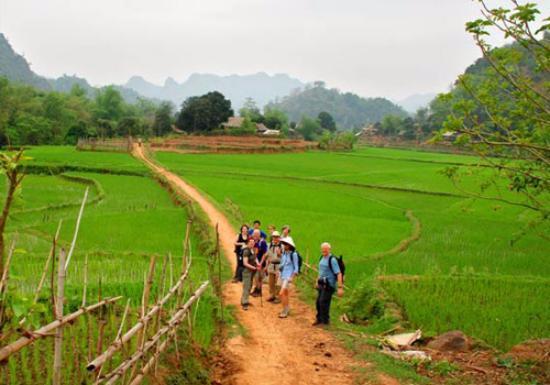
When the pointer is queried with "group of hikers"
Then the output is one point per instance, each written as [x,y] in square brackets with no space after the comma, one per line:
[277,261]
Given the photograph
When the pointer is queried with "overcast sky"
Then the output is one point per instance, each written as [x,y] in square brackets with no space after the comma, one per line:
[391,48]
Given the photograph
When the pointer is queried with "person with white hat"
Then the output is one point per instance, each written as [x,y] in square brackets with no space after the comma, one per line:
[289,269]
[274,254]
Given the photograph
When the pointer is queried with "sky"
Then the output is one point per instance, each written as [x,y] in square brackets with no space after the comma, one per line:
[390,48]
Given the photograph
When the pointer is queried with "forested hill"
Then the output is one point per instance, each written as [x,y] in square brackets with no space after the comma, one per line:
[348,110]
[260,86]
[484,81]
[15,68]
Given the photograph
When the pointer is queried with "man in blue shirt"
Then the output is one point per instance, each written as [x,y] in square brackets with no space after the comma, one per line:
[330,279]
[256,226]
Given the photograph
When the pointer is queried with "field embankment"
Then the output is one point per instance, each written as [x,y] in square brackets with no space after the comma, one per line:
[231,144]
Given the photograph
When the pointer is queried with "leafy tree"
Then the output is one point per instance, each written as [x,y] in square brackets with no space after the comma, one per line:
[275,119]
[128,126]
[109,104]
[204,113]
[77,131]
[309,128]
[163,119]
[251,111]
[500,108]
[391,125]
[326,121]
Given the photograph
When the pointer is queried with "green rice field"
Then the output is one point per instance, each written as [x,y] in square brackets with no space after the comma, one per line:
[127,219]
[470,277]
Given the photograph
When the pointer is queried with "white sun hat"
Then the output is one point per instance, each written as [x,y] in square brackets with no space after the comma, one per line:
[288,241]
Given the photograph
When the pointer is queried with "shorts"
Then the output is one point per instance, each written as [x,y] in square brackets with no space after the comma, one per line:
[285,283]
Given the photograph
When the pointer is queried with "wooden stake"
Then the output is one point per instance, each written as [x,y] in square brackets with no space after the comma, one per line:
[77,227]
[46,265]
[169,329]
[85,281]
[58,347]
[185,246]
[45,331]
[171,269]
[116,345]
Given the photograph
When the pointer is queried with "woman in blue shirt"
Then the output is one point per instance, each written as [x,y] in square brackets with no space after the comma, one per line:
[289,269]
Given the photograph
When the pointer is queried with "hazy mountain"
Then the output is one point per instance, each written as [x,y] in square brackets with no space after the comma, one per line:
[348,110]
[261,87]
[414,102]
[16,68]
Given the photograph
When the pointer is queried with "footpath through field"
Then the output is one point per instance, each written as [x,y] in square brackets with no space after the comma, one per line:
[274,351]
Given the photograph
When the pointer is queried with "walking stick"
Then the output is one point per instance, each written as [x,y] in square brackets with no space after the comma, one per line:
[261,291]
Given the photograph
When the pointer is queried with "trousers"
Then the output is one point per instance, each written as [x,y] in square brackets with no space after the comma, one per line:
[247,285]
[324,298]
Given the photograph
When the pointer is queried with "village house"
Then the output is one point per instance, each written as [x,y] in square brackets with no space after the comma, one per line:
[235,122]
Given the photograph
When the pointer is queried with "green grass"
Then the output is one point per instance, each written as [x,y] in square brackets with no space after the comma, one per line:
[68,155]
[458,234]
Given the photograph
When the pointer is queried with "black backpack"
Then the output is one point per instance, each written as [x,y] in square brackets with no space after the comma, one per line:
[300,260]
[341,265]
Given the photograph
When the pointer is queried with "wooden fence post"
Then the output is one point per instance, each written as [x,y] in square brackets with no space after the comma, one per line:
[58,348]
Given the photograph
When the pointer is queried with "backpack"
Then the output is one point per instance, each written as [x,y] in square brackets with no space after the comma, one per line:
[341,265]
[300,260]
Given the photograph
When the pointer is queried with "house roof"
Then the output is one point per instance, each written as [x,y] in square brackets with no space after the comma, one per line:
[233,122]
[260,127]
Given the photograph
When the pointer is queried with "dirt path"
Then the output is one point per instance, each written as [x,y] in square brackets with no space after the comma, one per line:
[274,351]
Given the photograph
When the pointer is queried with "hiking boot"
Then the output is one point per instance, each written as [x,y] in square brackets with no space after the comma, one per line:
[271,299]
[320,325]
[245,307]
[276,301]
[284,313]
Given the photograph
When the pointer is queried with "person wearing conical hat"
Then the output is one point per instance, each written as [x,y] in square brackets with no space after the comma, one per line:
[289,270]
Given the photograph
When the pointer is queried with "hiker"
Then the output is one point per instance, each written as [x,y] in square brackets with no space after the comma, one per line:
[330,278]
[250,267]
[274,254]
[242,239]
[257,226]
[270,230]
[289,269]
[260,246]
[285,232]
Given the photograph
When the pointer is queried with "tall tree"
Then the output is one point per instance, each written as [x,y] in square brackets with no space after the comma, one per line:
[251,111]
[326,121]
[163,119]
[204,113]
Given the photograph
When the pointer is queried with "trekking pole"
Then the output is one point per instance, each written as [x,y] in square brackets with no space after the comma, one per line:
[261,292]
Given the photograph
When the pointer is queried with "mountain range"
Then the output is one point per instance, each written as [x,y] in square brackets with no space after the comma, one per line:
[413,102]
[261,87]
[16,68]
[280,90]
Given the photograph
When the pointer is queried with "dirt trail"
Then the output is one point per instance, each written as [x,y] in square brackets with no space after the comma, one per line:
[274,351]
